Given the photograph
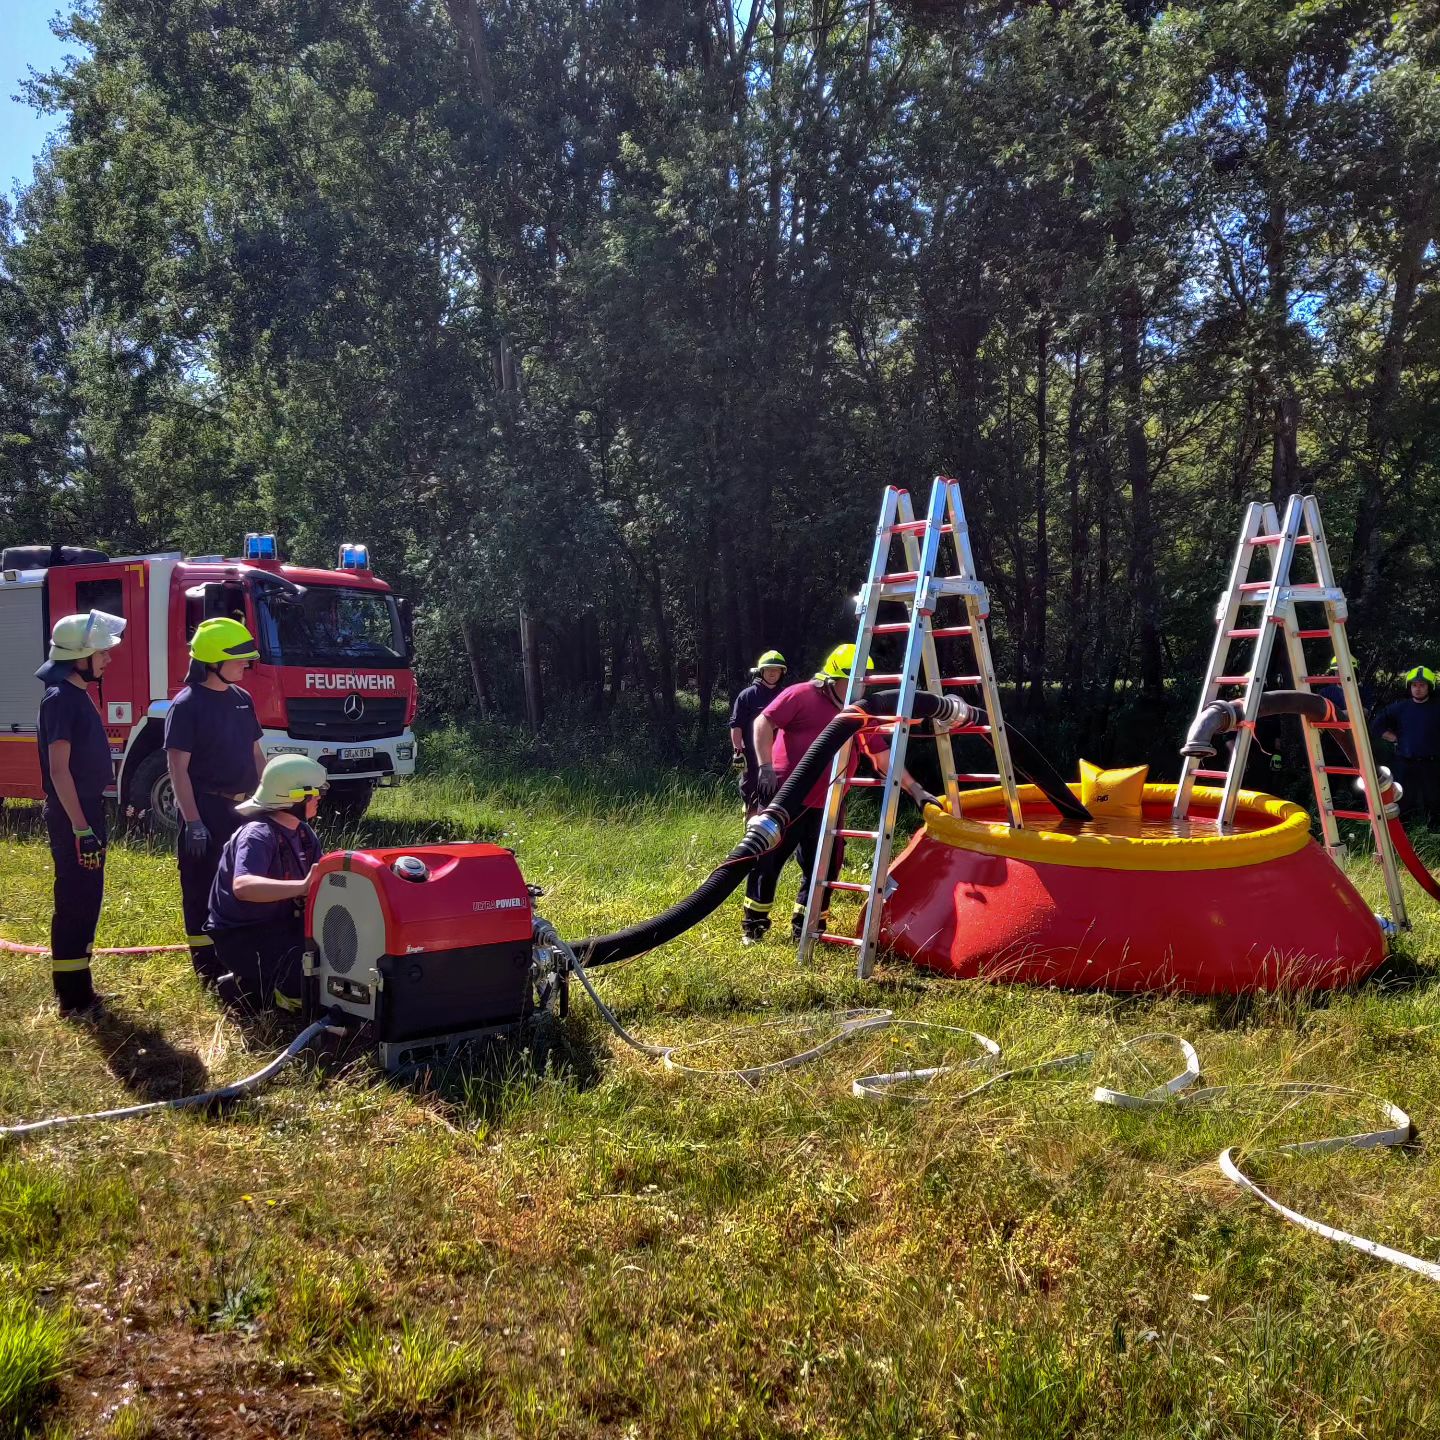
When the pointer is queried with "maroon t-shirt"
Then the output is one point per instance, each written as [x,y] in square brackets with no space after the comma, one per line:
[799,713]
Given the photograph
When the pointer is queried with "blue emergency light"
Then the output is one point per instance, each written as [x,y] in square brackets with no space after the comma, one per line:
[354,557]
[259,547]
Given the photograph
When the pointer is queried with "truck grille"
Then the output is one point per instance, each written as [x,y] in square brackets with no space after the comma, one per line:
[316,719]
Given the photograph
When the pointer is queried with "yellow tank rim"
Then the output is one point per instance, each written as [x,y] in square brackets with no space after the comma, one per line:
[1288,832]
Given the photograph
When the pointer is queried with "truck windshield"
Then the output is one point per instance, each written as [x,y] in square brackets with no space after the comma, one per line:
[330,625]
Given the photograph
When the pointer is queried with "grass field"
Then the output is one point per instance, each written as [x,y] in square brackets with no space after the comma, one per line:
[602,1249]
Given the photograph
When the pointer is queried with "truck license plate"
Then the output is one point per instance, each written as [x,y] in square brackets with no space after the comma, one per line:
[356,752]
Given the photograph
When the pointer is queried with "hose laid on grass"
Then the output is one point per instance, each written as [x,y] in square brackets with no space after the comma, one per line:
[15,948]
[234,1091]
[878,1087]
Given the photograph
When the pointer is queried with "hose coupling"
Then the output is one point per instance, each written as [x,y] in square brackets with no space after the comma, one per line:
[1216,718]
[763,832]
[953,711]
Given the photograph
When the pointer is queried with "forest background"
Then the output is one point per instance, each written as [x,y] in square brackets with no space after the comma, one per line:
[604,321]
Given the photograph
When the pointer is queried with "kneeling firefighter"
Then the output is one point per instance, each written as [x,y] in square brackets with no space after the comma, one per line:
[76,770]
[257,903]
[212,749]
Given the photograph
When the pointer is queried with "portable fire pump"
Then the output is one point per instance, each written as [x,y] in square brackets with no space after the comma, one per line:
[428,947]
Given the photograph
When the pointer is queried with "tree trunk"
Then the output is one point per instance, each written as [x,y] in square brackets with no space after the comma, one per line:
[470,635]
[1079,531]
[1040,581]
[1142,509]
[530,662]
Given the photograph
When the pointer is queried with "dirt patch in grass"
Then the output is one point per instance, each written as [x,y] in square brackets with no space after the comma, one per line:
[194,1386]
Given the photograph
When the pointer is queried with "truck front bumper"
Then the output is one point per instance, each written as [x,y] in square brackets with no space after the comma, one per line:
[387,760]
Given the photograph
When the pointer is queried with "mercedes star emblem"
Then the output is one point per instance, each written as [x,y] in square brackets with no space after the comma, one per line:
[354,707]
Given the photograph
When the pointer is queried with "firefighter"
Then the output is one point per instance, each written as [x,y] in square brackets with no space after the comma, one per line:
[257,903]
[784,731]
[764,685]
[1414,726]
[76,770]
[212,748]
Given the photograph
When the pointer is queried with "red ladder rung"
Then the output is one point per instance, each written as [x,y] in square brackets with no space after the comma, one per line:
[1232,679]
[1250,587]
[949,632]
[891,627]
[956,682]
[1330,725]
[826,938]
[1340,770]
[970,730]
[1242,634]
[978,779]
[1352,815]
[858,834]
[854,886]
[910,527]
[1276,539]
[864,782]
[884,679]
[899,577]
[1322,679]
[1315,634]
[1212,774]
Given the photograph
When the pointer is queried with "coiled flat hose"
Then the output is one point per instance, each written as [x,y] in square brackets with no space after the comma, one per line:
[765,830]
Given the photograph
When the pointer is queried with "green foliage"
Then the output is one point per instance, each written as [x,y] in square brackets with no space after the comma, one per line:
[35,1348]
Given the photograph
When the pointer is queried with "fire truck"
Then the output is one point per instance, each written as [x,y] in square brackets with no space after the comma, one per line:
[334,678]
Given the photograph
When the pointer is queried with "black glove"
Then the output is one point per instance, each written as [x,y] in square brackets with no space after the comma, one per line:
[89,849]
[922,798]
[765,782]
[737,759]
[197,839]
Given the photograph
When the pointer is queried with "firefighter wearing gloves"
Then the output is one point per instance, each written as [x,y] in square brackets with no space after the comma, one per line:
[1414,726]
[784,731]
[257,903]
[212,748]
[765,683]
[76,770]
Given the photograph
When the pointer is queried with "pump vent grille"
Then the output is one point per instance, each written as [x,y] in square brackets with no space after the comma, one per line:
[338,941]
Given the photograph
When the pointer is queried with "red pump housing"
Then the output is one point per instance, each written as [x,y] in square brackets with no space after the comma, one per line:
[420,941]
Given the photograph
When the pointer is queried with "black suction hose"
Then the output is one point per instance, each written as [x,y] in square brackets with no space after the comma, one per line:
[1219,717]
[765,830]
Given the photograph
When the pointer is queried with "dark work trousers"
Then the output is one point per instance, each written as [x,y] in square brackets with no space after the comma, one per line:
[78,895]
[257,967]
[1420,780]
[802,840]
[197,874]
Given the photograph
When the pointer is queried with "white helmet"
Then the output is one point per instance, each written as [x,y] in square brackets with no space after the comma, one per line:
[73,637]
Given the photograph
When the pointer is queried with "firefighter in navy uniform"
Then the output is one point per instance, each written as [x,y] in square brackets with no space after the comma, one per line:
[212,748]
[257,903]
[76,770]
[1414,726]
[765,680]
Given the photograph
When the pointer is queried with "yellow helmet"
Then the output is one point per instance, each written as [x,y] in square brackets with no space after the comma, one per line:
[841,661]
[221,639]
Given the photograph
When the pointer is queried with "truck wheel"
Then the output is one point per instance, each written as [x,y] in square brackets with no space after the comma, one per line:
[348,800]
[151,796]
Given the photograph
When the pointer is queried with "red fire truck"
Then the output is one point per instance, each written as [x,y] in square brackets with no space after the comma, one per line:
[334,678]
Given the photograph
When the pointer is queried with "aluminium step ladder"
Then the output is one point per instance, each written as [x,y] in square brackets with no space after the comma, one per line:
[920,587]
[1276,596]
